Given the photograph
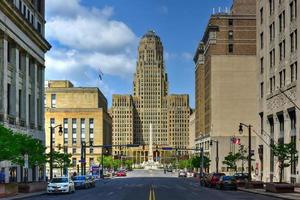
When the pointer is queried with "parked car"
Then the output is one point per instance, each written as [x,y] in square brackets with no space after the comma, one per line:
[91,180]
[60,185]
[121,173]
[241,178]
[227,182]
[182,173]
[81,182]
[169,169]
[211,179]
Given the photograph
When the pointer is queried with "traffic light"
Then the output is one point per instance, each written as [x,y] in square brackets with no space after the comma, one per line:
[59,146]
[143,147]
[210,142]
[106,151]
[91,143]
[156,147]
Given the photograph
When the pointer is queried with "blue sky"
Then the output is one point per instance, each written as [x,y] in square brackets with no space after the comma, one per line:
[92,35]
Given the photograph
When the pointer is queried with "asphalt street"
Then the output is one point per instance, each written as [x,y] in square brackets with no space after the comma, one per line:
[152,185]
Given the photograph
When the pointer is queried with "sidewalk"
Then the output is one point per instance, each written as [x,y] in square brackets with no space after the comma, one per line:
[289,196]
[24,195]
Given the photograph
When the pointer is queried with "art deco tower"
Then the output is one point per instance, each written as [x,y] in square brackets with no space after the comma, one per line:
[150,104]
[150,88]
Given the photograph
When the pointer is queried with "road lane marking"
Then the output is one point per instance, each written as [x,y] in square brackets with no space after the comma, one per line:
[152,193]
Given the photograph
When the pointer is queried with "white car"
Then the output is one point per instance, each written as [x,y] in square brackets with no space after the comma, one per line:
[60,185]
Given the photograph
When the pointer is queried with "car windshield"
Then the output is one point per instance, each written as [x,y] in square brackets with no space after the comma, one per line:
[59,180]
[78,178]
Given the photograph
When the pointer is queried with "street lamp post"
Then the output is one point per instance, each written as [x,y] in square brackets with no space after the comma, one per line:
[249,147]
[217,152]
[52,129]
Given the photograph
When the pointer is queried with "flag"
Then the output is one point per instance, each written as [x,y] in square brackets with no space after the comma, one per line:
[100,74]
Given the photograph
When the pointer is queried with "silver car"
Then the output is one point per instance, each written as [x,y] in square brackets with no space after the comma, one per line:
[60,185]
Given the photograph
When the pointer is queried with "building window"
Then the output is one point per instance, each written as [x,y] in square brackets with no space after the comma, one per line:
[282,21]
[8,98]
[293,10]
[74,134]
[272,84]
[74,162]
[272,58]
[8,52]
[282,50]
[230,22]
[261,40]
[293,72]
[230,48]
[262,65]
[262,90]
[66,135]
[281,129]
[53,100]
[230,35]
[73,150]
[282,78]
[272,31]
[271,6]
[20,104]
[293,39]
[82,129]
[261,15]
[271,122]
[52,124]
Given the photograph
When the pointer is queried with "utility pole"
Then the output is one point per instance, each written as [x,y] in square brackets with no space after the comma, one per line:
[201,165]
[83,157]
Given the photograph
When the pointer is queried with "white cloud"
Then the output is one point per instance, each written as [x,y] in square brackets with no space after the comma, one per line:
[86,38]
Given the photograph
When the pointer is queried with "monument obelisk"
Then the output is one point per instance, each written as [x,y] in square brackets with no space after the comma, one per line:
[150,154]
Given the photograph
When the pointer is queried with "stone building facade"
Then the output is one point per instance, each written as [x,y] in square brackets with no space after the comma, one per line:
[150,104]
[225,77]
[277,77]
[22,67]
[82,112]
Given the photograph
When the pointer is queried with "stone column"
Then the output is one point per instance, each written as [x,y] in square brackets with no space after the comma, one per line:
[17,86]
[35,94]
[27,90]
[5,74]
[276,137]
[287,139]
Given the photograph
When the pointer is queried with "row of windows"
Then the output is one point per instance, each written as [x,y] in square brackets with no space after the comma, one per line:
[282,79]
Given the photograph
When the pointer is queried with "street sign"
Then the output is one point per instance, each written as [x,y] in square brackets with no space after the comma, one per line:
[167,148]
[82,161]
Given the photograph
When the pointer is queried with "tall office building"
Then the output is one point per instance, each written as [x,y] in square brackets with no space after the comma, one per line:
[150,104]
[82,112]
[277,62]
[22,67]
[225,77]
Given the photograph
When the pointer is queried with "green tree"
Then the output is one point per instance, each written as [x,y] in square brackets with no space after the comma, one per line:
[243,157]
[128,164]
[60,160]
[286,154]
[13,147]
[187,163]
[196,161]
[107,161]
[116,164]
[230,160]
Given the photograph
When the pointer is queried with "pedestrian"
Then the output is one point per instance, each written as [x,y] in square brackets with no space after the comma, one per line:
[2,177]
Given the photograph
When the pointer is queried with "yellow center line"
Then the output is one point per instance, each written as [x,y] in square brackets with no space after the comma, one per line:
[152,193]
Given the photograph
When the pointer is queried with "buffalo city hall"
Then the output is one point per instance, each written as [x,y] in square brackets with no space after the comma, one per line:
[150,104]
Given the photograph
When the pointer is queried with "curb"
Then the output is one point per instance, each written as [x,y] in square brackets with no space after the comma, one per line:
[268,194]
[24,196]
